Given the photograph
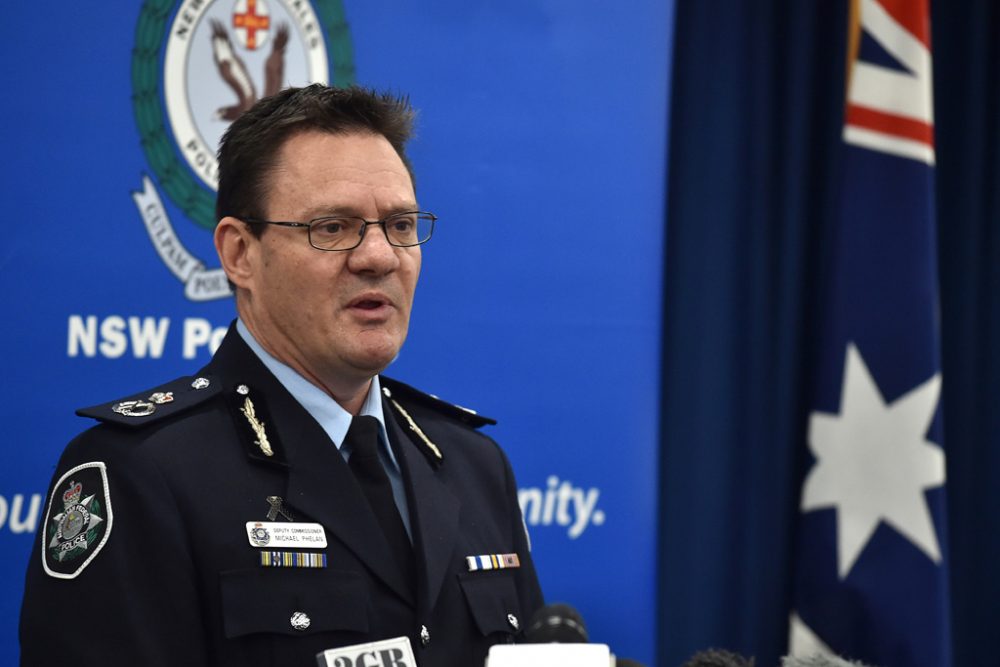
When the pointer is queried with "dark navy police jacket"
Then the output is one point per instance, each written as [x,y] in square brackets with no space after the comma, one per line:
[144,556]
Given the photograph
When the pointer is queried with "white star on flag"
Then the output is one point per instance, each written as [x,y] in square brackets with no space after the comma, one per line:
[874,463]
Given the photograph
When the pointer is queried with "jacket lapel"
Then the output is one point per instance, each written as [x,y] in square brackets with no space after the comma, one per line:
[320,485]
[433,510]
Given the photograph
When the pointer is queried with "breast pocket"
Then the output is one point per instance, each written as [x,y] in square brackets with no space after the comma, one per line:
[292,601]
[493,601]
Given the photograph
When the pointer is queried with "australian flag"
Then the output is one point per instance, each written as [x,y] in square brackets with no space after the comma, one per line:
[871,562]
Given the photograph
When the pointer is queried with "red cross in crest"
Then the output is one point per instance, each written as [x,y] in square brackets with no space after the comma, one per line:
[251,21]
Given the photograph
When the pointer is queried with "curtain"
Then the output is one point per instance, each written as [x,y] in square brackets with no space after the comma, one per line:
[757,109]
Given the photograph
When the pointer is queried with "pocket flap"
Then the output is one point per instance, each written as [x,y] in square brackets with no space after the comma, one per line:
[265,600]
[492,597]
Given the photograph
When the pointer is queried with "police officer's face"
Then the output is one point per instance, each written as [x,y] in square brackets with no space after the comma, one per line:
[334,316]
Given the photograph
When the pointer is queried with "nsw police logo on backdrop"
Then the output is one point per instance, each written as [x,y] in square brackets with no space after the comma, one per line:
[197,65]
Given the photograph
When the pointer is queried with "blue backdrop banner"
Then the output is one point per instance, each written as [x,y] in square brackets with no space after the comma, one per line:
[540,144]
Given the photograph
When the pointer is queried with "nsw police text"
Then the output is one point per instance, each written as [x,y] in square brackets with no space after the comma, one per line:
[118,336]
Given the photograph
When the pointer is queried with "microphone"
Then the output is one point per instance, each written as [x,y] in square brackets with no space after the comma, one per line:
[819,660]
[719,658]
[559,623]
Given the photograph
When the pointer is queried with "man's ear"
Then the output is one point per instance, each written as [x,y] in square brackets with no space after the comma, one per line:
[235,245]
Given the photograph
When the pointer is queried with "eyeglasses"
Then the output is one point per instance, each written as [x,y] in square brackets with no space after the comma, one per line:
[335,233]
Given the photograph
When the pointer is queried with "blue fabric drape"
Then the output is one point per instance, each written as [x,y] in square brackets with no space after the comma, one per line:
[756,113]
[966,38]
[757,95]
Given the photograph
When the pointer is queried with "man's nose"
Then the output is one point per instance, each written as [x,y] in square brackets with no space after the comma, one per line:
[374,254]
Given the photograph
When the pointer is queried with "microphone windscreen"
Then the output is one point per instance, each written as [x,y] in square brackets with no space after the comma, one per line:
[819,661]
[558,623]
[718,658]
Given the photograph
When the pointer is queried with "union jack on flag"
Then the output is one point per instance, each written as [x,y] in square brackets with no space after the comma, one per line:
[871,559]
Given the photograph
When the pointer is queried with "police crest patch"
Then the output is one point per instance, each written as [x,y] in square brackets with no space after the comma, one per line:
[77,520]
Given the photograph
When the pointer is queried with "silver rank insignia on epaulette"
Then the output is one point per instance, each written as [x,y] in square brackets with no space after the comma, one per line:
[162,397]
[134,408]
[413,425]
[143,408]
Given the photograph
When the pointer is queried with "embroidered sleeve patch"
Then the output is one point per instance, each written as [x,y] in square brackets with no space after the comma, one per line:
[77,520]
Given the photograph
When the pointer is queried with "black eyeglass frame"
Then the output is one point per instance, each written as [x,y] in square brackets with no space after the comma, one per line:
[364,227]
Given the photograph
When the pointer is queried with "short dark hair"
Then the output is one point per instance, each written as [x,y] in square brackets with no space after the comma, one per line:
[249,148]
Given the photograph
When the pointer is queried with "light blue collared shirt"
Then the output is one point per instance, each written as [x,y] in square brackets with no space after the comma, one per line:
[334,419]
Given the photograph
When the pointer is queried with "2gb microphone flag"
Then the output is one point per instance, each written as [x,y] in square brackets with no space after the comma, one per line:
[871,547]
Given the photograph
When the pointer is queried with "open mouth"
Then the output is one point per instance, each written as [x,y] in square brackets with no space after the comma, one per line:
[370,302]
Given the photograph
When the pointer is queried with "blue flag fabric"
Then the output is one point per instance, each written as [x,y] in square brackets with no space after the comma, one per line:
[871,547]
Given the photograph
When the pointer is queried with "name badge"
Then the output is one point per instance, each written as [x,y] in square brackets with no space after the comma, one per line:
[282,534]
[395,652]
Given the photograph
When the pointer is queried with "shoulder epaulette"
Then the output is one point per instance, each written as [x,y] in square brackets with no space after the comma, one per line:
[155,404]
[404,392]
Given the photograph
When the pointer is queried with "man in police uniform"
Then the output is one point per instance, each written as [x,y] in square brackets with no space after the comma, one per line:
[220,519]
